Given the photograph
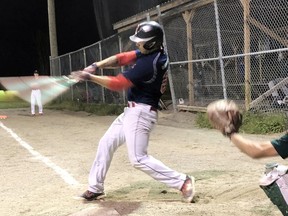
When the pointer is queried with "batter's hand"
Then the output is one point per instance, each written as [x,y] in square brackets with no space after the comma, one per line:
[91,68]
[80,76]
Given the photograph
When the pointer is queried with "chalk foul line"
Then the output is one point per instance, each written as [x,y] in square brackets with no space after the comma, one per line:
[61,172]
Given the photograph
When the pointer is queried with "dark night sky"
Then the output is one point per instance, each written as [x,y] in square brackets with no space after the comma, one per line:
[24,34]
[24,37]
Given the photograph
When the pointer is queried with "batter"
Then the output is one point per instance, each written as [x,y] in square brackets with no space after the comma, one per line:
[145,83]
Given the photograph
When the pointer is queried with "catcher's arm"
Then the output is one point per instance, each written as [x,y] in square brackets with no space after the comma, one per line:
[254,149]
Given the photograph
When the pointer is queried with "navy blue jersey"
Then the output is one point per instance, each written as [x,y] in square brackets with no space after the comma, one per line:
[149,76]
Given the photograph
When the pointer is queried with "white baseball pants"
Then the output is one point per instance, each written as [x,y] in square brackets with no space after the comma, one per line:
[133,127]
[36,97]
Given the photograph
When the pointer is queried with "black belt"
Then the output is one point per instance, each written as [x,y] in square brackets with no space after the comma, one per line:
[153,109]
[133,104]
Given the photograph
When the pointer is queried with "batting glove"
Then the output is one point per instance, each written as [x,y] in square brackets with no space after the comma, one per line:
[91,68]
[80,76]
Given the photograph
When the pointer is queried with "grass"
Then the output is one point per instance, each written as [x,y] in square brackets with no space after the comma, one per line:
[8,96]
[253,123]
[9,99]
[14,104]
[98,109]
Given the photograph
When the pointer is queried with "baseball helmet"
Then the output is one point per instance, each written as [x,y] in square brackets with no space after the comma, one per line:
[150,32]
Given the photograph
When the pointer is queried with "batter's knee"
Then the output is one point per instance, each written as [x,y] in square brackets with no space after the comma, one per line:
[136,162]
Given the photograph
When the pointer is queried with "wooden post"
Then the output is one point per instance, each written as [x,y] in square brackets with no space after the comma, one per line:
[52,28]
[246,10]
[188,16]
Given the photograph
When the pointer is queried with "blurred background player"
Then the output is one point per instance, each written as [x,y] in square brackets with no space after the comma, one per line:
[145,83]
[36,95]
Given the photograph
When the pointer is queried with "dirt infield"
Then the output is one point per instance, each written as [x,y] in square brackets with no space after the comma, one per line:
[45,162]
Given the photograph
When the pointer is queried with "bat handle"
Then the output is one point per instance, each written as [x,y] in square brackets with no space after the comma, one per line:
[69,79]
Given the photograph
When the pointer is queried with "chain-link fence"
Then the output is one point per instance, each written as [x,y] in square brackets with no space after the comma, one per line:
[234,49]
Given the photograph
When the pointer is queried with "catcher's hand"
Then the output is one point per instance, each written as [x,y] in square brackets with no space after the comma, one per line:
[225,116]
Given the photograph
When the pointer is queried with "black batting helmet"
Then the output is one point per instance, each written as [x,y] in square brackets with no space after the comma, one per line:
[150,32]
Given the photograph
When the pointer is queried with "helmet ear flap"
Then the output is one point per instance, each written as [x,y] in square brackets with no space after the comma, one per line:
[149,45]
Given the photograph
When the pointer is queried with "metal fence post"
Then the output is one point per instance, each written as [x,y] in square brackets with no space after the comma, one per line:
[50,63]
[70,69]
[220,49]
[101,70]
[86,82]
[169,71]
[122,68]
[59,65]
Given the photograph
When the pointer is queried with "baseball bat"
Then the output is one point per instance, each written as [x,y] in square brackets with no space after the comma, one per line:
[51,87]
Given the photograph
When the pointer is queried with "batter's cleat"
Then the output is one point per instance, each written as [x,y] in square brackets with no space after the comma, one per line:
[188,189]
[89,196]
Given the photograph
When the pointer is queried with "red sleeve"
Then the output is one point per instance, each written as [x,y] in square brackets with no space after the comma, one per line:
[119,82]
[126,58]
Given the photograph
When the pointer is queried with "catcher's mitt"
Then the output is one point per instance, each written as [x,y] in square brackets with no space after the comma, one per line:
[225,116]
